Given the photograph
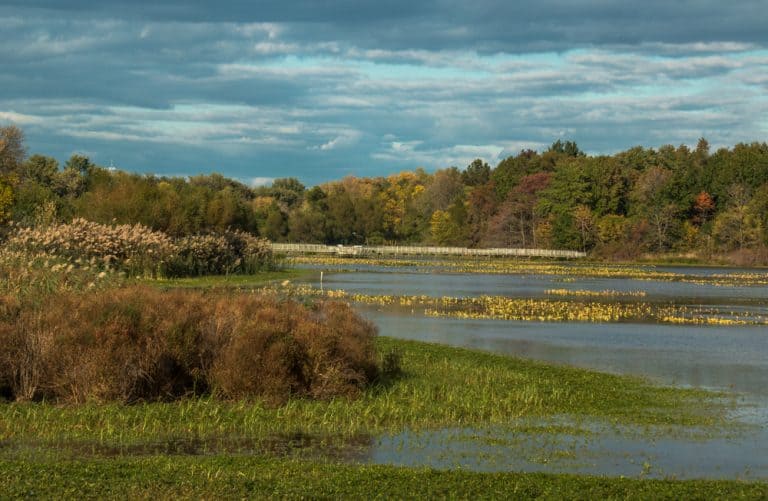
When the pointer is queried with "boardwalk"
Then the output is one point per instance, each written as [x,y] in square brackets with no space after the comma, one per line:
[402,250]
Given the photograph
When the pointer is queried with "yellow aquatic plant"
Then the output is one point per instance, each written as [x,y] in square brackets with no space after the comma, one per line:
[541,309]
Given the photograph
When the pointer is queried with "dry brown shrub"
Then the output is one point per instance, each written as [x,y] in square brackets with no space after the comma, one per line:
[340,350]
[284,349]
[139,343]
[260,359]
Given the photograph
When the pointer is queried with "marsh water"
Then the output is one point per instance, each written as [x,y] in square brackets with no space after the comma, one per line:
[729,358]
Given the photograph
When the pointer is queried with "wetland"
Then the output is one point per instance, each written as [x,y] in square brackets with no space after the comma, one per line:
[689,327]
[598,405]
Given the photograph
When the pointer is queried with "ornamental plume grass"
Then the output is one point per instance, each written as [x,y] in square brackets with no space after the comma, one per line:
[139,251]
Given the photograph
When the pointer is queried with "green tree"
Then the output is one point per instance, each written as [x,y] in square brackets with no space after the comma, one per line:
[40,169]
[342,224]
[74,179]
[276,224]
[739,226]
[12,153]
[511,170]
[477,173]
[289,192]
[570,187]
[610,184]
[6,200]
[307,224]
[568,148]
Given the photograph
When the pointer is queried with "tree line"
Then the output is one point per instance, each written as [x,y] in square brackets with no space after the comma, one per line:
[670,199]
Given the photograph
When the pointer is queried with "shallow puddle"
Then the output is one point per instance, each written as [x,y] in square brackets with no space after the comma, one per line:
[554,447]
[602,452]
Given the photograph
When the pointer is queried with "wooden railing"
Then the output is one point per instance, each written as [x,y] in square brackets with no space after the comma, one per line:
[395,250]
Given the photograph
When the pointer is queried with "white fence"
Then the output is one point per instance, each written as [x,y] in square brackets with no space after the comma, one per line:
[394,250]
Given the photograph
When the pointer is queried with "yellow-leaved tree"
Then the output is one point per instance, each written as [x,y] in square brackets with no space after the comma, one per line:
[12,152]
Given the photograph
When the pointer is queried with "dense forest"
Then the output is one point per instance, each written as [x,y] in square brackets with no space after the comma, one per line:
[643,200]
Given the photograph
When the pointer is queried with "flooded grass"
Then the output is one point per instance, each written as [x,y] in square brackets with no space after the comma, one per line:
[450,409]
[294,445]
[440,387]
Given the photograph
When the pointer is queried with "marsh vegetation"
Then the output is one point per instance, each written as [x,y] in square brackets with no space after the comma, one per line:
[221,374]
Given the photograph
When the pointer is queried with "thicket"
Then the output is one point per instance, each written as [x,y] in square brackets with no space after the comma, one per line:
[137,344]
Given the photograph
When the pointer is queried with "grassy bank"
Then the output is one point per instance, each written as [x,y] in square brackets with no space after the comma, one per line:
[208,448]
[252,477]
[440,387]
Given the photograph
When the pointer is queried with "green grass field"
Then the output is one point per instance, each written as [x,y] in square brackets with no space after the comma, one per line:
[116,451]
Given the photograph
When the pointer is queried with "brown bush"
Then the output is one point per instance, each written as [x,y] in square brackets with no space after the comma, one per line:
[139,343]
[284,349]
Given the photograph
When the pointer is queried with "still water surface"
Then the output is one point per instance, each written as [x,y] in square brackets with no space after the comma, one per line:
[726,358]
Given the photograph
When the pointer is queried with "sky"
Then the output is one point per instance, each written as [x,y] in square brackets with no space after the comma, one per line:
[319,90]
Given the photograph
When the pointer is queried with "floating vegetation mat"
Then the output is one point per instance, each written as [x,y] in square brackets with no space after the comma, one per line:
[544,310]
[587,293]
[516,267]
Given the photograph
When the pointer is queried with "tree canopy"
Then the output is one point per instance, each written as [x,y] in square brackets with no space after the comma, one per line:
[638,200]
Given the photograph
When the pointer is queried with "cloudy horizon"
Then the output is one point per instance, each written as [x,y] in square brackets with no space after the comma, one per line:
[320,90]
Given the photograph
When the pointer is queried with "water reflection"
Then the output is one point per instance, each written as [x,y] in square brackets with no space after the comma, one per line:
[354,448]
[604,453]
[730,358]
[473,284]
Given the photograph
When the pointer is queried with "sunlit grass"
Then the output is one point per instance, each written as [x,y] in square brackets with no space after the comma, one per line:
[441,387]
[240,477]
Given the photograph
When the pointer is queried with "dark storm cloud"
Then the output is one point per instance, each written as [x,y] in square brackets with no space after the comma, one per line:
[323,89]
[440,24]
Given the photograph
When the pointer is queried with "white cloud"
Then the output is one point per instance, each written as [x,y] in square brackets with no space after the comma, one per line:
[459,155]
[347,138]
[260,181]
[19,118]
